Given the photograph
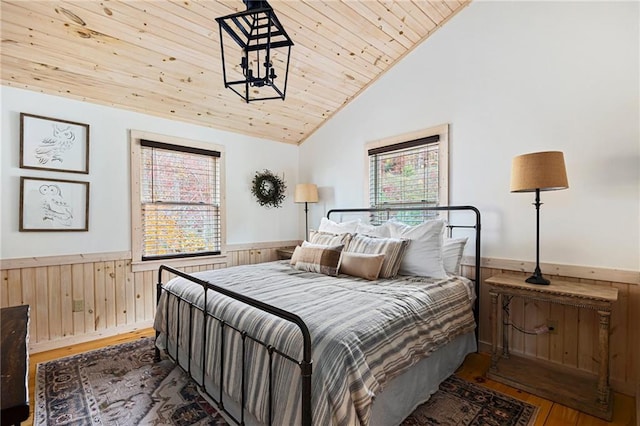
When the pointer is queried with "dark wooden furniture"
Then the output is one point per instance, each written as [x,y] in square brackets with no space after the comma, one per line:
[14,391]
[571,387]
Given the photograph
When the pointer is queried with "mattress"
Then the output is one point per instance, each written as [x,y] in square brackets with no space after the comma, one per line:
[364,335]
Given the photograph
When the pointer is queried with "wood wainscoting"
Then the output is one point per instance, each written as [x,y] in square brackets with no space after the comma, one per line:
[76,299]
[79,298]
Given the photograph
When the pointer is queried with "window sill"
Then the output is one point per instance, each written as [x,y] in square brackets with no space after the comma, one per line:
[153,265]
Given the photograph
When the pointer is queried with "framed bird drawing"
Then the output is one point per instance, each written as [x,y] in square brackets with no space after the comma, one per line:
[53,205]
[52,144]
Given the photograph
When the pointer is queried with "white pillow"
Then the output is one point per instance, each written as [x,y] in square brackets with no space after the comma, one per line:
[315,245]
[381,231]
[452,249]
[423,256]
[328,225]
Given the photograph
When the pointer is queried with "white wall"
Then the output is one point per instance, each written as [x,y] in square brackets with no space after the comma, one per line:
[512,78]
[109,172]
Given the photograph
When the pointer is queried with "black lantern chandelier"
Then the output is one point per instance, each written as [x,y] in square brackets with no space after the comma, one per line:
[264,43]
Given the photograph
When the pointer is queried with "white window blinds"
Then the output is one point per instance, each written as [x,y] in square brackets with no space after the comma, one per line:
[180,198]
[405,175]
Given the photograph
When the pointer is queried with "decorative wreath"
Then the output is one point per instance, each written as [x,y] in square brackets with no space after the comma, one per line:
[268,188]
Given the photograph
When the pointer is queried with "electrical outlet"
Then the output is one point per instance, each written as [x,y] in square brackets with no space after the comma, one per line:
[541,329]
[78,305]
[552,325]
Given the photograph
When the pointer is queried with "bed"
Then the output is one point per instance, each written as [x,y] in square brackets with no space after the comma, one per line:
[284,343]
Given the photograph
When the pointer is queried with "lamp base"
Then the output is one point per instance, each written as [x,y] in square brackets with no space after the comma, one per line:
[537,278]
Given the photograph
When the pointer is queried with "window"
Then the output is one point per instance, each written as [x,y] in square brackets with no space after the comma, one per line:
[176,205]
[407,171]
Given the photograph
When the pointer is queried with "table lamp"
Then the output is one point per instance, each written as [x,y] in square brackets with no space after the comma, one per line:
[306,193]
[535,172]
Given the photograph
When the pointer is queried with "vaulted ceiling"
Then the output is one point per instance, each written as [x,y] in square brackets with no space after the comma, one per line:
[162,57]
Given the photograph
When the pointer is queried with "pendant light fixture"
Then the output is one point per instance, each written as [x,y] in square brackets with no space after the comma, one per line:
[259,71]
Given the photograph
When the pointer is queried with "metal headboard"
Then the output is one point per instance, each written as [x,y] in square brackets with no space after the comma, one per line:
[476,226]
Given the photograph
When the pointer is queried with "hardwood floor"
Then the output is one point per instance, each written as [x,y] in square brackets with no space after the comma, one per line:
[550,413]
[473,369]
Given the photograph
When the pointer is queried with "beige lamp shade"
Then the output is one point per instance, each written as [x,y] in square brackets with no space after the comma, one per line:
[306,193]
[540,170]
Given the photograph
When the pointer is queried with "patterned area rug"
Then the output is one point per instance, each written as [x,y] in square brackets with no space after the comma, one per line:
[121,385]
[459,402]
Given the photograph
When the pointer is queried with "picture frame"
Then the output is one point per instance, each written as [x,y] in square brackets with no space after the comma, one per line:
[53,205]
[53,144]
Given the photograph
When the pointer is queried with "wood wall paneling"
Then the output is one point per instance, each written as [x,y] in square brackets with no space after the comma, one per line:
[88,283]
[115,300]
[28,283]
[54,302]
[100,297]
[41,310]
[4,289]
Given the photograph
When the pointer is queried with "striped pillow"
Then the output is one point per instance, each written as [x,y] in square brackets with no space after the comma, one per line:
[318,259]
[392,248]
[296,251]
[329,238]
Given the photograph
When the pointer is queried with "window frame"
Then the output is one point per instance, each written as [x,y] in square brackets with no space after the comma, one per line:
[137,263]
[443,159]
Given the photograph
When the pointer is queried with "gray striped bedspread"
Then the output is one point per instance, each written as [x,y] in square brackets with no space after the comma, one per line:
[364,333]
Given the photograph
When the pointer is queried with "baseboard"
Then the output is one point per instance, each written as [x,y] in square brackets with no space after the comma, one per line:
[87,337]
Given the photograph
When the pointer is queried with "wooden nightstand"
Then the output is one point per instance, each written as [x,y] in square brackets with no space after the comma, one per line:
[285,252]
[573,388]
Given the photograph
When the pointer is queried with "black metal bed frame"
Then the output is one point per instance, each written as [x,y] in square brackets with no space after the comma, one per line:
[305,363]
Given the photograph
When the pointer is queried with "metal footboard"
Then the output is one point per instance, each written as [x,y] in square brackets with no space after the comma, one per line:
[305,363]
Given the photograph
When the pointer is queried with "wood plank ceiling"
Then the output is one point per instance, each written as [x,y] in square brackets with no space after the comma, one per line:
[162,57]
